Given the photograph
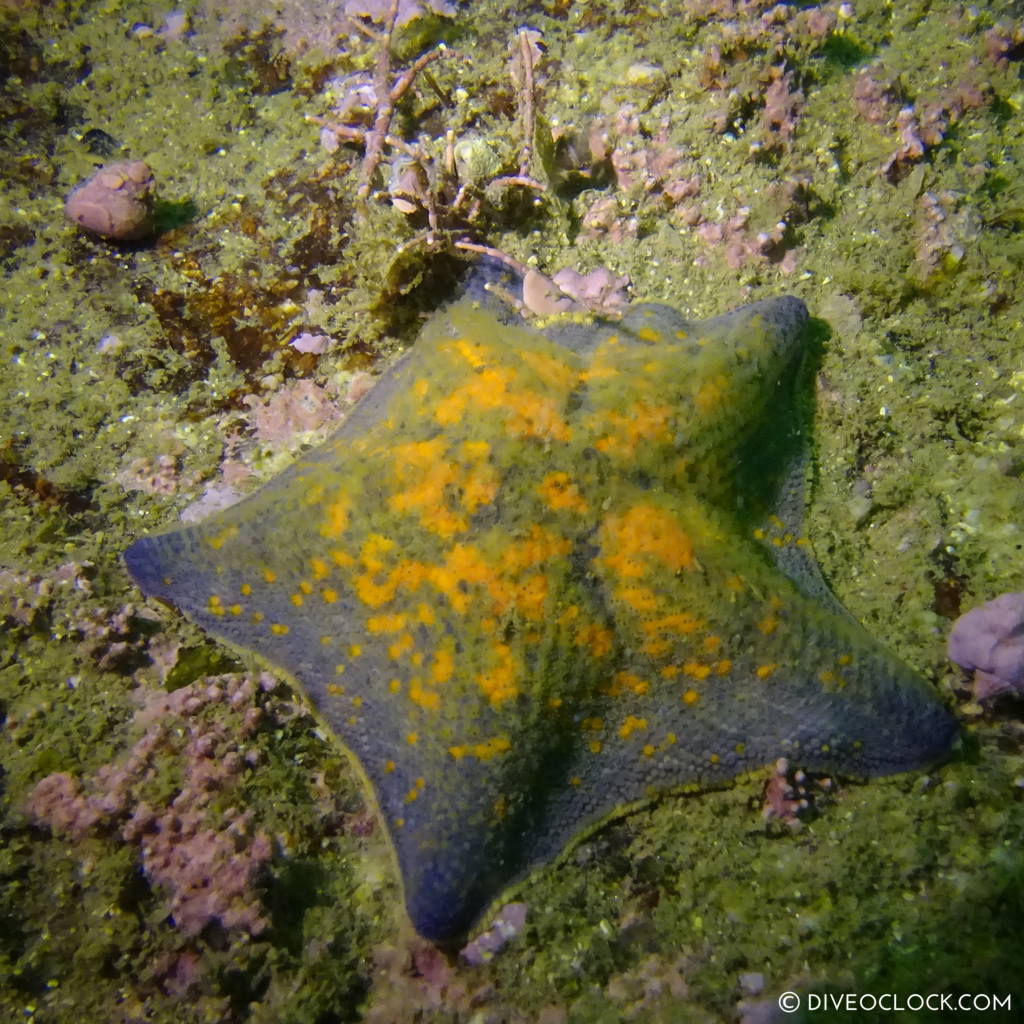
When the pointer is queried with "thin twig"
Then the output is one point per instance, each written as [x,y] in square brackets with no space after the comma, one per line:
[486,250]
[526,101]
[377,135]
[517,179]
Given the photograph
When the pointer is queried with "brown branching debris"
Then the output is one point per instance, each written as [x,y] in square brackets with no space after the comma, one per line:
[389,89]
[426,180]
[418,180]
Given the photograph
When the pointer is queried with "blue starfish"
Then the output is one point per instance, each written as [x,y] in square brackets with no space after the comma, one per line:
[521,585]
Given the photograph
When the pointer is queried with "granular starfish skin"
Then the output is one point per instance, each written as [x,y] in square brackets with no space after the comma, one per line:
[516,585]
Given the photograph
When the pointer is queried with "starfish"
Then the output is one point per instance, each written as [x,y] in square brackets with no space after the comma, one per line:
[522,586]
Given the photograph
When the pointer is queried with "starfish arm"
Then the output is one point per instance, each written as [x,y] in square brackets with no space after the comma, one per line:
[729,666]
[673,400]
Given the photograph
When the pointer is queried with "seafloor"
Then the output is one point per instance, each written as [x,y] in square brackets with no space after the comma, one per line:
[200,851]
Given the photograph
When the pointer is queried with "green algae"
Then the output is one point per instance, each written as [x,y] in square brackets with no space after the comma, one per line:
[908,885]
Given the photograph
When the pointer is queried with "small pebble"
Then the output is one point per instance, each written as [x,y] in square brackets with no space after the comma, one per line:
[989,641]
[752,983]
[116,202]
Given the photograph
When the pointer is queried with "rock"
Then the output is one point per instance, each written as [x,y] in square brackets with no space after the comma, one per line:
[989,641]
[116,202]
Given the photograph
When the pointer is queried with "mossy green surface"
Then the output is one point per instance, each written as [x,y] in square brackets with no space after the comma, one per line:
[914,884]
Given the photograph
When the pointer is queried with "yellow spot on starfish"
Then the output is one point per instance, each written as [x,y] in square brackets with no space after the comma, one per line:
[484,751]
[631,725]
[559,492]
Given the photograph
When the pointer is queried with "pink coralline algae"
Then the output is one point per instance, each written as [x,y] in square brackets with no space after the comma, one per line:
[989,641]
[209,873]
[304,25]
[742,244]
[25,597]
[760,37]
[59,600]
[206,861]
[510,921]
[569,291]
[917,133]
[116,202]
[107,637]
[157,475]
[650,165]
[284,418]
[408,10]
[874,94]
[421,983]
[606,219]
[1004,43]
[299,406]
[920,126]
[600,290]
[655,989]
[783,104]
[642,164]
[312,344]
[944,228]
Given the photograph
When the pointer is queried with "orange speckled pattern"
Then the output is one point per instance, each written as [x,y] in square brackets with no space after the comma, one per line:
[514,586]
